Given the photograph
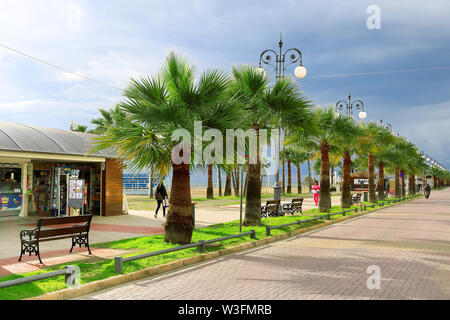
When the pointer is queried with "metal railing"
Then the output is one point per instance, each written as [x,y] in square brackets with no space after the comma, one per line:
[118,261]
[298,222]
[343,212]
[70,272]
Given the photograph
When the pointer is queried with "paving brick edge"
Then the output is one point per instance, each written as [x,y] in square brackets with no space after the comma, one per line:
[94,286]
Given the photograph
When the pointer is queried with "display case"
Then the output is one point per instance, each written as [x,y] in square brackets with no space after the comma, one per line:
[10,197]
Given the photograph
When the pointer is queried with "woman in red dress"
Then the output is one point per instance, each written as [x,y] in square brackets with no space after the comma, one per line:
[316,192]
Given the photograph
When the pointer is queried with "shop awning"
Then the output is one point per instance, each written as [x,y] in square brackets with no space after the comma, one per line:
[19,137]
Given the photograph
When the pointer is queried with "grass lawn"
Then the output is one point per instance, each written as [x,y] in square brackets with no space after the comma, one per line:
[142,202]
[92,271]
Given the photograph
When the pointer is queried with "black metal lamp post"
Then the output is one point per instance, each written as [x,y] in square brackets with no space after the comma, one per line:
[292,56]
[387,125]
[349,105]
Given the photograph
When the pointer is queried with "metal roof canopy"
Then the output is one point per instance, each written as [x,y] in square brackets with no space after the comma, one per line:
[18,137]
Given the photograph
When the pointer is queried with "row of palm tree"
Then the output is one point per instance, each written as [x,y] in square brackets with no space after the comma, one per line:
[140,127]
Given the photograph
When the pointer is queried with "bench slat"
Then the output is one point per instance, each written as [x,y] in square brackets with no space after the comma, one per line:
[63,220]
[61,231]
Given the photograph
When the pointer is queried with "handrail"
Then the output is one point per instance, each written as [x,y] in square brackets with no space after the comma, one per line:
[269,228]
[70,273]
[118,261]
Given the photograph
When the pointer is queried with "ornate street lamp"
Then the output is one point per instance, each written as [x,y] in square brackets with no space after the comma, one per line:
[350,105]
[292,56]
[387,125]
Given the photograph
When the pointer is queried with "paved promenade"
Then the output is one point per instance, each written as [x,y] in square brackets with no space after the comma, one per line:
[409,243]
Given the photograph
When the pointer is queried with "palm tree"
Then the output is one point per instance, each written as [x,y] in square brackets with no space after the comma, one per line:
[324,137]
[297,156]
[374,140]
[403,150]
[108,119]
[80,128]
[415,165]
[348,146]
[154,107]
[265,107]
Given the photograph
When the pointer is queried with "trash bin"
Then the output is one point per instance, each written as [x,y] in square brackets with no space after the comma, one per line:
[366,196]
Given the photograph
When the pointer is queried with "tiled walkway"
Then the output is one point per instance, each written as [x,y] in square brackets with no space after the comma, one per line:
[409,244]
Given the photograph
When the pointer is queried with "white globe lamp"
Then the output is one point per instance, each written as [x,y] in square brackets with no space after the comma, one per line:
[261,71]
[362,115]
[300,72]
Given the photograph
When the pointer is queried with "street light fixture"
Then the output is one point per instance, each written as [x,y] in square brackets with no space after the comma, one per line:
[387,126]
[293,56]
[349,106]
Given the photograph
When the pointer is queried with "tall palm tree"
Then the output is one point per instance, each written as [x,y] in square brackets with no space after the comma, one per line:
[265,107]
[347,146]
[325,136]
[373,141]
[154,107]
[403,150]
[297,156]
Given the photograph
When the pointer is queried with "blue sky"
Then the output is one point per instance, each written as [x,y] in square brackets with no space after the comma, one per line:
[112,41]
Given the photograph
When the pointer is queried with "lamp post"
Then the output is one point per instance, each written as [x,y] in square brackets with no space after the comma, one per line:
[292,56]
[387,125]
[357,104]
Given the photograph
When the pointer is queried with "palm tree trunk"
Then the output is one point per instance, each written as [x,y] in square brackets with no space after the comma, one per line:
[403,186]
[346,197]
[289,186]
[235,179]
[371,164]
[210,189]
[253,198]
[178,227]
[220,181]
[299,179]
[309,175]
[410,184]
[380,181]
[227,191]
[283,185]
[325,197]
[332,174]
[398,192]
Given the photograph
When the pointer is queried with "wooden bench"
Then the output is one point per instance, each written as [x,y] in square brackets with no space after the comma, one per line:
[356,198]
[293,207]
[78,231]
[270,209]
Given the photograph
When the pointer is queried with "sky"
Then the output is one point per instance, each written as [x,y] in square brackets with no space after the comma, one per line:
[113,41]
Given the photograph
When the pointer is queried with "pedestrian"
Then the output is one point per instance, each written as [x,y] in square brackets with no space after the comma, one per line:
[160,196]
[316,192]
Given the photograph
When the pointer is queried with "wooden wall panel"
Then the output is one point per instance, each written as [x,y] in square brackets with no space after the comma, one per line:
[112,188]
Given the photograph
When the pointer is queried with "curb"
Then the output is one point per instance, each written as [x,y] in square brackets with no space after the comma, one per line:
[91,287]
